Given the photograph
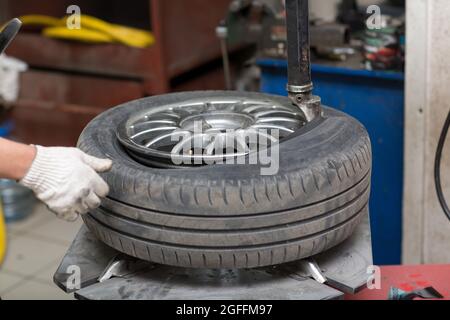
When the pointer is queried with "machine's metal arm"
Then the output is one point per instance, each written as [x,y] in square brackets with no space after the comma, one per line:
[299,68]
[299,64]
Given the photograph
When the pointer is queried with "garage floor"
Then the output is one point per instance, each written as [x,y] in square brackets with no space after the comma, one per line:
[35,249]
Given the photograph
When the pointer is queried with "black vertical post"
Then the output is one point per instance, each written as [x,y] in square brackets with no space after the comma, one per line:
[299,62]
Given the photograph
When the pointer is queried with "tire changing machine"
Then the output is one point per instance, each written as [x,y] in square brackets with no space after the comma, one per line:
[92,270]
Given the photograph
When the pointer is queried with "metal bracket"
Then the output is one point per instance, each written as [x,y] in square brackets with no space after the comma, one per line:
[123,265]
[312,269]
[310,105]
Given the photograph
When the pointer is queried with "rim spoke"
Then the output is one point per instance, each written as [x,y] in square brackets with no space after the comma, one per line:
[142,126]
[274,120]
[272,127]
[160,138]
[275,112]
[252,109]
[162,116]
[140,134]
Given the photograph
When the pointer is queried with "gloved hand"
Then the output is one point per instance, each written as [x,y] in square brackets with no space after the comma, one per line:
[66,180]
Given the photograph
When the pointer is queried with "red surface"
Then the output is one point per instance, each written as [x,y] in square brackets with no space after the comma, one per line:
[409,278]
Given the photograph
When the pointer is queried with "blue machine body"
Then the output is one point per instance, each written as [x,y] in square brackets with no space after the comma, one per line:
[376,99]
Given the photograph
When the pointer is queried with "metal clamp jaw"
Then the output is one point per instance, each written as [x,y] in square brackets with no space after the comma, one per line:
[309,104]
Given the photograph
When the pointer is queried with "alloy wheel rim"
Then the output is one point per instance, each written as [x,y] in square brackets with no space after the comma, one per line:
[193,132]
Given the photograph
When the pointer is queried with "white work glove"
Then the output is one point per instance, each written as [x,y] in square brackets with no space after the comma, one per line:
[10,69]
[66,180]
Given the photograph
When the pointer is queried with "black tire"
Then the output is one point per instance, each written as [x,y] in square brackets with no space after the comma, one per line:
[216,217]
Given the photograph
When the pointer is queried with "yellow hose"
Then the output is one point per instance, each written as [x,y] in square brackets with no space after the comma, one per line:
[84,35]
[2,234]
[41,20]
[93,30]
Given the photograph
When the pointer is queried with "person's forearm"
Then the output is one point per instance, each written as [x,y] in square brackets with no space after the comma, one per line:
[15,159]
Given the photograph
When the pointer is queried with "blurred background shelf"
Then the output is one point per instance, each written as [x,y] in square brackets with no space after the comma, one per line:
[71,82]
